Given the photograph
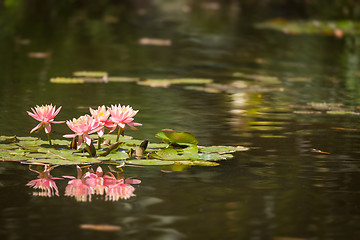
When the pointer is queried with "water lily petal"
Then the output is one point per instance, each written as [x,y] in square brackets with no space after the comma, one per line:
[87,139]
[69,135]
[37,127]
[47,128]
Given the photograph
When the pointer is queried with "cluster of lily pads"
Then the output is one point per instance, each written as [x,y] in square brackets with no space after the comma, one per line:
[175,148]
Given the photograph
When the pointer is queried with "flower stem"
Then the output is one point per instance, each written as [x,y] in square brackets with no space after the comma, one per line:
[99,142]
[91,150]
[121,131]
[49,138]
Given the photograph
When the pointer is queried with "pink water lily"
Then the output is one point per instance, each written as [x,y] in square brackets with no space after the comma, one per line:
[120,116]
[83,126]
[45,115]
[101,115]
[44,182]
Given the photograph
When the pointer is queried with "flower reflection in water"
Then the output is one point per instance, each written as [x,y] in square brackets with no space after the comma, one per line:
[86,184]
[98,183]
[78,188]
[44,182]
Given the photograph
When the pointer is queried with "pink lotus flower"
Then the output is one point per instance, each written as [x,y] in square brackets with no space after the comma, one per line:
[44,182]
[45,115]
[121,115]
[101,115]
[78,188]
[83,126]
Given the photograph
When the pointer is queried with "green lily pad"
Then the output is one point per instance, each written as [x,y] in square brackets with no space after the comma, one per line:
[223,149]
[197,163]
[178,137]
[149,162]
[118,156]
[168,82]
[123,79]
[191,150]
[90,74]
[15,158]
[64,80]
[168,154]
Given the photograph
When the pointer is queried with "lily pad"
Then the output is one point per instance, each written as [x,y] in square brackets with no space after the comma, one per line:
[168,154]
[223,149]
[64,80]
[168,82]
[178,137]
[90,74]
[123,79]
[149,162]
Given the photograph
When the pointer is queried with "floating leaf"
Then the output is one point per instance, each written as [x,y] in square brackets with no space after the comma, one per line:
[223,149]
[172,136]
[64,80]
[90,74]
[191,150]
[197,163]
[208,156]
[119,156]
[123,79]
[168,154]
[149,162]
[168,82]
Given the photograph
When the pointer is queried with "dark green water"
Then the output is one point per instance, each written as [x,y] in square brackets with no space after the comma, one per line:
[280,189]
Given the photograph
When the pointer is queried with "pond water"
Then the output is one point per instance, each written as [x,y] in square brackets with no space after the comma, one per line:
[294,101]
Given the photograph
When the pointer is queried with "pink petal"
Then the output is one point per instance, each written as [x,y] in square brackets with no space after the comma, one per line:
[57,111]
[69,135]
[101,132]
[47,128]
[57,121]
[87,139]
[37,127]
[34,116]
